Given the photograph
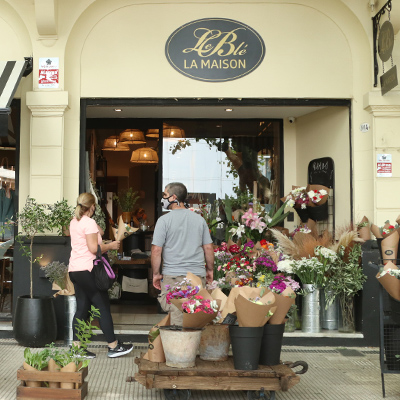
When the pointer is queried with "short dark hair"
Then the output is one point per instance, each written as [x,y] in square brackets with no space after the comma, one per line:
[178,189]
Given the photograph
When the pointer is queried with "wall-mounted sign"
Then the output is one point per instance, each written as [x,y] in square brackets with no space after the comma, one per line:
[48,72]
[215,49]
[385,41]
[389,80]
[384,165]
[364,127]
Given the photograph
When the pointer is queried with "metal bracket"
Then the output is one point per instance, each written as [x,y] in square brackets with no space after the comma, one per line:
[375,24]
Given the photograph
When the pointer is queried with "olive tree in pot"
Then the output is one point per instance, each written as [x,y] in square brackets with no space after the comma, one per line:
[126,200]
[34,322]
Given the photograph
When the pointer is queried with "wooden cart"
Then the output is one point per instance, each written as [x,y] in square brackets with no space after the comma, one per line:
[222,375]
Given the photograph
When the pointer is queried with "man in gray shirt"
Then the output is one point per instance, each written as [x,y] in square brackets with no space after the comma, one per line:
[182,239]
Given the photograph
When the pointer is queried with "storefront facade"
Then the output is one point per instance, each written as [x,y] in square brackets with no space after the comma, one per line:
[317,54]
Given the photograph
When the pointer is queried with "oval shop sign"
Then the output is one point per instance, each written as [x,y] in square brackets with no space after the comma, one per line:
[215,49]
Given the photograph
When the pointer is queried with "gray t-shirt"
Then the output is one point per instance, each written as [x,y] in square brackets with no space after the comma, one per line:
[182,233]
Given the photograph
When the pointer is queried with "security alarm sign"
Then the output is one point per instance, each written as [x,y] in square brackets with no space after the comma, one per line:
[384,165]
[48,72]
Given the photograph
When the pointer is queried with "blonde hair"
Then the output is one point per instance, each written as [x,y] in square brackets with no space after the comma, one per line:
[84,202]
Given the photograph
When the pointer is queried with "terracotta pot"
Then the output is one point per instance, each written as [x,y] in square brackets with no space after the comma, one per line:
[126,217]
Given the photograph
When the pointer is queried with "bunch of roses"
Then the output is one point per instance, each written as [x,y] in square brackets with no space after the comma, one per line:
[317,195]
[181,290]
[199,304]
[280,283]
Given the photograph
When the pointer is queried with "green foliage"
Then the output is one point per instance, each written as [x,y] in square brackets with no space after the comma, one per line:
[76,354]
[278,217]
[61,215]
[56,272]
[100,217]
[346,275]
[126,199]
[38,360]
[112,256]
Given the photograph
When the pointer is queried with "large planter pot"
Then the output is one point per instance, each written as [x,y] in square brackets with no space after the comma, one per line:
[311,310]
[34,321]
[214,343]
[70,310]
[246,346]
[271,344]
[180,346]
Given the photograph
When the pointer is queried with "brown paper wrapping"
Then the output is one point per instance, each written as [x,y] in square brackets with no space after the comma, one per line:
[155,353]
[250,314]
[257,250]
[218,294]
[323,200]
[68,291]
[28,367]
[53,367]
[71,367]
[389,246]
[375,231]
[121,233]
[237,214]
[364,232]
[398,220]
[390,283]
[198,320]
[194,280]
[247,292]
[231,242]
[312,226]
[283,302]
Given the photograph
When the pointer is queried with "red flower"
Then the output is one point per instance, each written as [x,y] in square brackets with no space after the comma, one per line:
[234,248]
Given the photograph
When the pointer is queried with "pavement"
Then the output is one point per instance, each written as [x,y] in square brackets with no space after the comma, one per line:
[334,373]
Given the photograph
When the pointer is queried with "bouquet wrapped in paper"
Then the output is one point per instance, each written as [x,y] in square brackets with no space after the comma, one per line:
[124,230]
[254,311]
[155,352]
[318,195]
[389,278]
[363,229]
[68,290]
[389,245]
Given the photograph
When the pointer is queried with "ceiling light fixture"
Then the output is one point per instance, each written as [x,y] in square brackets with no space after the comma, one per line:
[110,143]
[132,136]
[228,109]
[152,133]
[118,109]
[144,156]
[174,132]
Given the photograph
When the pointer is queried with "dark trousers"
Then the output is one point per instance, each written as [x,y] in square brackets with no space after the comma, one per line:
[86,294]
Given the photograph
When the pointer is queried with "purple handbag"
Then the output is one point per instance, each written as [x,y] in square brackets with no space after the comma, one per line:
[103,273]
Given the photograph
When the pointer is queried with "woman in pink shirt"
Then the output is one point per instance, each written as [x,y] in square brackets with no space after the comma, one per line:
[85,237]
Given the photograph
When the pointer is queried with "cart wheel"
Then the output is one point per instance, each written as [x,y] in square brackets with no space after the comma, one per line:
[177,394]
[260,395]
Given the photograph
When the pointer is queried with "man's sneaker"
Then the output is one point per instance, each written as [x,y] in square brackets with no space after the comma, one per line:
[120,350]
[89,355]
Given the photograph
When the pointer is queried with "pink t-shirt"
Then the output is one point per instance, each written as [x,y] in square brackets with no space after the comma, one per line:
[81,258]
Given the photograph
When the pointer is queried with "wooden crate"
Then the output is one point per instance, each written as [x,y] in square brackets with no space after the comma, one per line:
[79,393]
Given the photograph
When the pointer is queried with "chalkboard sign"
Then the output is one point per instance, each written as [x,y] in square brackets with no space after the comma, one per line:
[321,171]
[230,319]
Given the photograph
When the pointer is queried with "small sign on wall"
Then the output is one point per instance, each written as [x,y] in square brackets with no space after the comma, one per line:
[384,165]
[48,72]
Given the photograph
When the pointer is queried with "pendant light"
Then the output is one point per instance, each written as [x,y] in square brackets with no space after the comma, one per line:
[110,143]
[122,146]
[174,132]
[132,136]
[144,155]
[152,133]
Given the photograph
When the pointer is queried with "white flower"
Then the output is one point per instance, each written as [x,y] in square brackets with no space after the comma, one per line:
[325,253]
[291,203]
[285,266]
[240,230]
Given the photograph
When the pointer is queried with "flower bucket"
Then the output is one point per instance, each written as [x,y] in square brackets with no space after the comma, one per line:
[214,343]
[330,314]
[311,310]
[180,346]
[271,344]
[70,310]
[246,345]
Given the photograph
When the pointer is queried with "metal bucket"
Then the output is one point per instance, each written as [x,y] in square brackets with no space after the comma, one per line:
[70,310]
[330,314]
[180,346]
[214,343]
[311,310]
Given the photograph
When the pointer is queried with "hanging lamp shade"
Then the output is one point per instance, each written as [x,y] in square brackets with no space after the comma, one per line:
[132,136]
[144,155]
[174,132]
[152,133]
[110,143]
[122,146]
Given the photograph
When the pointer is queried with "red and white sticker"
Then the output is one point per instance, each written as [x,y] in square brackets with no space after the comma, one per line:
[384,165]
[48,72]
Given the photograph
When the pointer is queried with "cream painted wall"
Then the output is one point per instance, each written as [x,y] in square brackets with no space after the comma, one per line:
[325,133]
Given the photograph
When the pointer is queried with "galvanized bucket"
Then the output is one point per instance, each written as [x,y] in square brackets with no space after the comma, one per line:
[214,343]
[70,310]
[311,310]
[330,314]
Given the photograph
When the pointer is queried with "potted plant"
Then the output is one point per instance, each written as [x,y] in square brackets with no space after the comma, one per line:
[35,362]
[126,200]
[56,272]
[34,318]
[60,217]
